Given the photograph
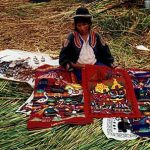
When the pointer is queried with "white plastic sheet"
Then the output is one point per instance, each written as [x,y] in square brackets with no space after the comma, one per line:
[10,57]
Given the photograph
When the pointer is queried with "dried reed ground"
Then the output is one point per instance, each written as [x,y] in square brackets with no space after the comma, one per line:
[43,26]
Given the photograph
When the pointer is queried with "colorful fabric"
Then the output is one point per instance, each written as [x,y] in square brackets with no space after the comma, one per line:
[141,83]
[128,129]
[79,42]
[58,99]
[109,93]
[141,126]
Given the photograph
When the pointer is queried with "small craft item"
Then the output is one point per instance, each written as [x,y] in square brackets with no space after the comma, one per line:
[141,84]
[118,129]
[109,93]
[42,59]
[19,65]
[18,70]
[35,59]
[58,99]
[27,107]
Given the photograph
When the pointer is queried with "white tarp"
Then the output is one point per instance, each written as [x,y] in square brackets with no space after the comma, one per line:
[17,65]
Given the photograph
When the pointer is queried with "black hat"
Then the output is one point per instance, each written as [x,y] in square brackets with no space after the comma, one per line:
[82,12]
[82,15]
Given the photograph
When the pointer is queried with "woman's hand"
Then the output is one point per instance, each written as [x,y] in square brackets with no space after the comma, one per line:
[69,67]
[115,66]
[77,65]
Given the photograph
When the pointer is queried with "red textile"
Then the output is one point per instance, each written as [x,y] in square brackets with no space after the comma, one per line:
[141,83]
[109,93]
[58,99]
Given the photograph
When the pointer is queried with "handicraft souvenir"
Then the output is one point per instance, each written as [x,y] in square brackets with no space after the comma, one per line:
[113,127]
[58,99]
[118,128]
[27,107]
[141,83]
[109,93]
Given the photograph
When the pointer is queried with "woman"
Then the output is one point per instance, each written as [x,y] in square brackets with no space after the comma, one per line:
[84,46]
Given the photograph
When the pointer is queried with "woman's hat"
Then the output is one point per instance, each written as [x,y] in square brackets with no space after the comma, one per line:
[82,15]
[82,12]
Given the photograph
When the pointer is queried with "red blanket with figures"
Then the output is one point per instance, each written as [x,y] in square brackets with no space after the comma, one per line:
[60,99]
[109,93]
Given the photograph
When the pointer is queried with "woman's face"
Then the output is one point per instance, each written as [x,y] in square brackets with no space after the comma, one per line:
[83,28]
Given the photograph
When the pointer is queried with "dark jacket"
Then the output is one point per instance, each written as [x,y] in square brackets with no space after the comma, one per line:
[71,51]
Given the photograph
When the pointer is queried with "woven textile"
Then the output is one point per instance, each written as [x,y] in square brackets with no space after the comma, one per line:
[141,83]
[109,93]
[58,99]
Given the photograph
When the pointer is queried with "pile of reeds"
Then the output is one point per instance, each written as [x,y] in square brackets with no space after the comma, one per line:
[124,25]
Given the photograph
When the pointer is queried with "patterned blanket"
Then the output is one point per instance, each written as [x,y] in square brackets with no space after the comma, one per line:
[123,128]
[141,84]
[109,92]
[58,98]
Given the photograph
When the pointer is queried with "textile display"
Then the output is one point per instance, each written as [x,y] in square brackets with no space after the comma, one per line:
[109,93]
[19,65]
[124,128]
[58,99]
[141,83]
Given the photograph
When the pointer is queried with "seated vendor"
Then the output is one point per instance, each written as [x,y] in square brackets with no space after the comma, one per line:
[84,46]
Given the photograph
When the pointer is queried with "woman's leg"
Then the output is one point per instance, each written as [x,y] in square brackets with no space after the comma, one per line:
[78,74]
[100,64]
